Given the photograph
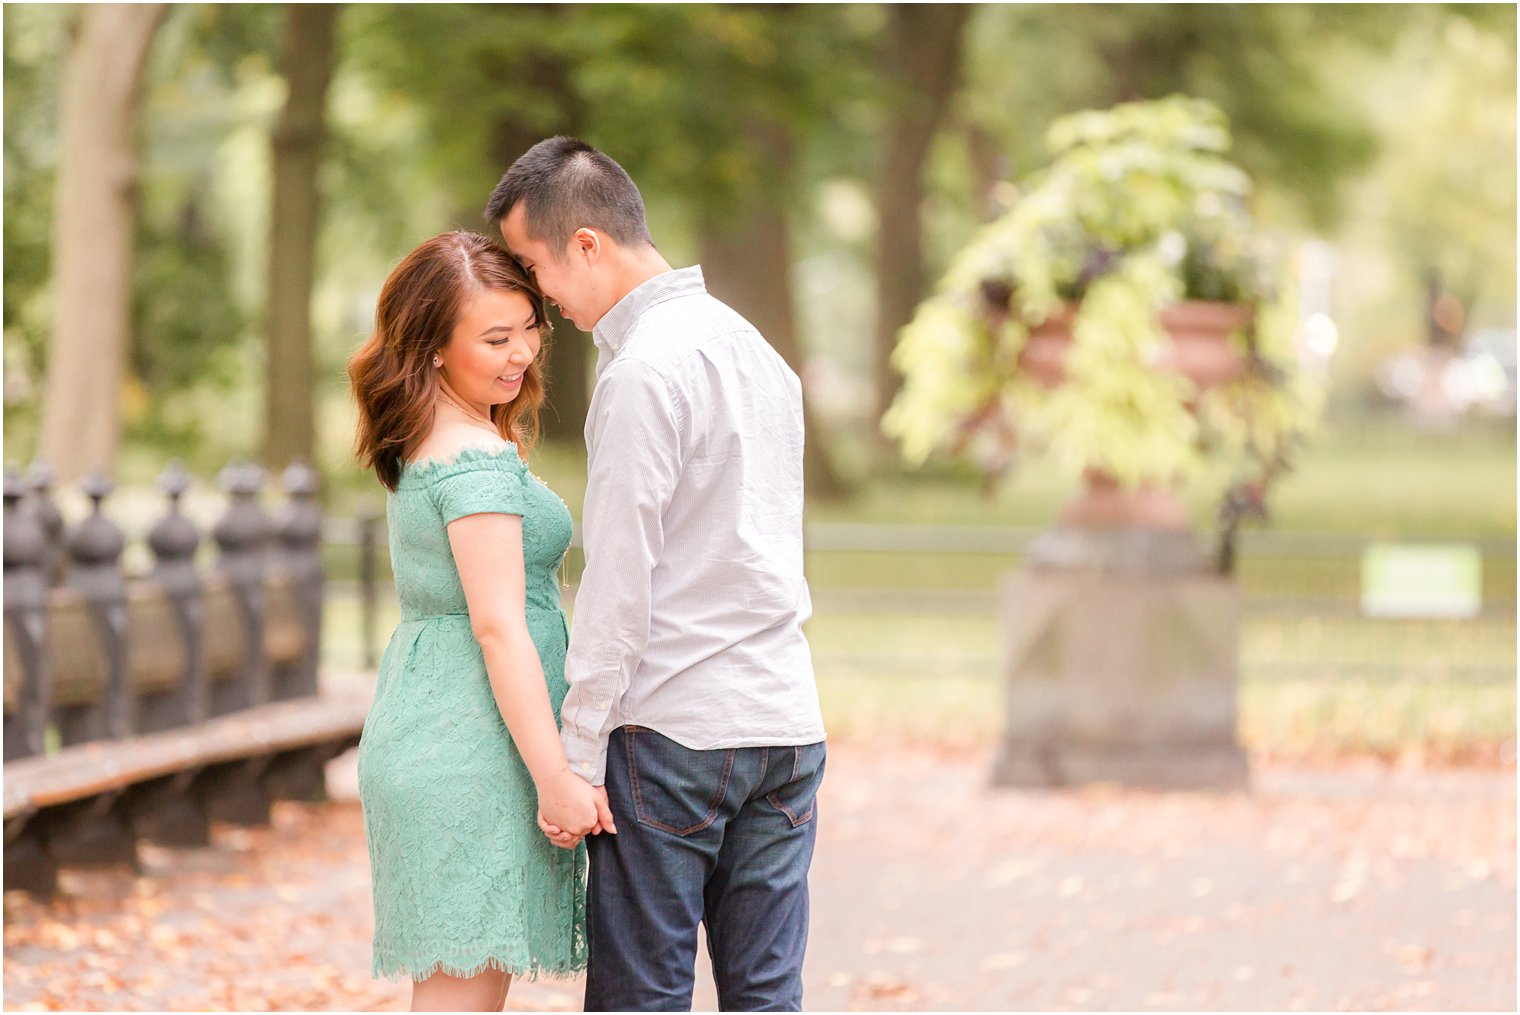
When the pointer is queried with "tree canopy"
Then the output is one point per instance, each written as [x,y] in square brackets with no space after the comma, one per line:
[1387,132]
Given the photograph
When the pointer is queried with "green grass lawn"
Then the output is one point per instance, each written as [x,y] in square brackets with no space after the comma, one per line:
[906,643]
[1382,478]
[1308,685]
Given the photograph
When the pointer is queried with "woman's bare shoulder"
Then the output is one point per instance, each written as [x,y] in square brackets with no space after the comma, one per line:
[449,439]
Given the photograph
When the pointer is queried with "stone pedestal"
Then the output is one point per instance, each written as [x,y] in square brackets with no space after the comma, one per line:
[1120,663]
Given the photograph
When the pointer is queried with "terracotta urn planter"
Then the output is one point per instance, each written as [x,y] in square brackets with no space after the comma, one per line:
[1120,641]
[1200,350]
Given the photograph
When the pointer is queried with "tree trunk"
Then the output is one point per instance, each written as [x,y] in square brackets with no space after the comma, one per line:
[94,206]
[923,57]
[748,266]
[295,211]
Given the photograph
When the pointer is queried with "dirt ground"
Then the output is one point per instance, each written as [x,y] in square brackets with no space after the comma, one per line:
[1352,885]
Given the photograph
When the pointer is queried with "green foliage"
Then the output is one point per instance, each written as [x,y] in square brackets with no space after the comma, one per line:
[186,312]
[1265,66]
[455,74]
[185,319]
[725,87]
[188,315]
[1139,210]
[1452,195]
[1269,67]
[34,40]
[431,102]
[1439,202]
[690,97]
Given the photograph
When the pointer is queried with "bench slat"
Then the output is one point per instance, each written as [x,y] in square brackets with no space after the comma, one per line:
[88,769]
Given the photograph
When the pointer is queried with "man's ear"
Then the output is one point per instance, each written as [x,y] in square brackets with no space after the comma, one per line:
[587,243]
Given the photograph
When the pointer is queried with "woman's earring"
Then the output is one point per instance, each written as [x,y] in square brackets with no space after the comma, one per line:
[437,361]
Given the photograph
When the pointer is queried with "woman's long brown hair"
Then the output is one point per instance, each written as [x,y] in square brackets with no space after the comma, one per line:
[392,373]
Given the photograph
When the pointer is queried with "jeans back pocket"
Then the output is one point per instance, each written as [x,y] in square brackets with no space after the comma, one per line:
[675,788]
[797,798]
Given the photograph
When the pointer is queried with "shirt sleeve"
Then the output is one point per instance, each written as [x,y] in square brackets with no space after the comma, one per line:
[492,487]
[633,440]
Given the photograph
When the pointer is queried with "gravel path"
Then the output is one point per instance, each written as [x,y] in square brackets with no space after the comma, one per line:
[1352,886]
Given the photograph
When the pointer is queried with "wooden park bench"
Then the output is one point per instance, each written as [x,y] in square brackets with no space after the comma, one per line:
[144,708]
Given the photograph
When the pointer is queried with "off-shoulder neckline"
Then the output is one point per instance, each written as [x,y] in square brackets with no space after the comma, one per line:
[415,473]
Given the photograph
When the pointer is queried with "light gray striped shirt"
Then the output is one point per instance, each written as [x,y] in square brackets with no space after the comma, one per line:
[689,616]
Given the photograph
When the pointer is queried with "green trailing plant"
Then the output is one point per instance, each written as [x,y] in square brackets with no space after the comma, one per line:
[1139,210]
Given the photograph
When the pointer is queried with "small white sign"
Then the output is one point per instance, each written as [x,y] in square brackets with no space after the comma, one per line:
[1437,580]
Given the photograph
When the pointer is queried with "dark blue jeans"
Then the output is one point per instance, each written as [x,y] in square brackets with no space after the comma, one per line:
[723,837]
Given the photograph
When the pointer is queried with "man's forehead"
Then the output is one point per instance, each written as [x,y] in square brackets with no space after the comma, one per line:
[515,228]
[506,237]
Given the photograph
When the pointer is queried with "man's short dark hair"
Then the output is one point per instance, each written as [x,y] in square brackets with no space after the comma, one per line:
[564,184]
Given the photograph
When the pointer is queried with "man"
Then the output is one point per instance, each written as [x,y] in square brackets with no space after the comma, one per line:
[691,701]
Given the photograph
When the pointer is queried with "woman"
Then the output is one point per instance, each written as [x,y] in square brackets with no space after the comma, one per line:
[460,756]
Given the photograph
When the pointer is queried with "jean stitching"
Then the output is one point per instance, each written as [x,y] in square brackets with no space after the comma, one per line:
[638,799]
[790,814]
[633,770]
[783,808]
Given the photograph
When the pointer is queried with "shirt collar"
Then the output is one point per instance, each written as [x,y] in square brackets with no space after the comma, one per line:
[611,333]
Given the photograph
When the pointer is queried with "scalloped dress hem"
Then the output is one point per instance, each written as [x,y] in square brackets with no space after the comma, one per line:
[397,970]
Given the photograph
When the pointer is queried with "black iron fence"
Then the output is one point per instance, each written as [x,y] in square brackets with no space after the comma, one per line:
[142,705]
[93,653]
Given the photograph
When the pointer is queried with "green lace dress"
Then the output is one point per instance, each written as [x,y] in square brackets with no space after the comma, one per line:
[463,879]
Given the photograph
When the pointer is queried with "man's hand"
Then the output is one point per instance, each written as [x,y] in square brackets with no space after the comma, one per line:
[604,822]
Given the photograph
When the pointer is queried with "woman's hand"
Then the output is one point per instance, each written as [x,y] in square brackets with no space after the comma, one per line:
[567,802]
[557,836]
[604,823]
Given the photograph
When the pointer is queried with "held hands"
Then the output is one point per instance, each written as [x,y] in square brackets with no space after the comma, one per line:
[566,831]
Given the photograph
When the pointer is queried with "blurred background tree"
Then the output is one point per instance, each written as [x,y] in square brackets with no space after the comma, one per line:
[1452,207]
[296,142]
[93,225]
[504,85]
[795,151]
[921,61]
